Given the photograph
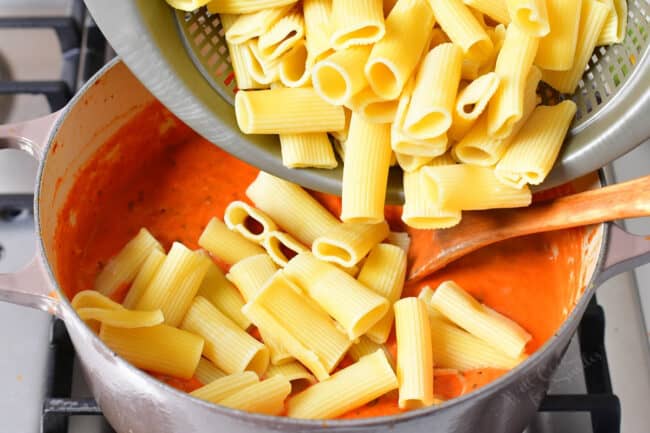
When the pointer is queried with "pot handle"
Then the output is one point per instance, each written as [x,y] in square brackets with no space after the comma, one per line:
[624,252]
[30,286]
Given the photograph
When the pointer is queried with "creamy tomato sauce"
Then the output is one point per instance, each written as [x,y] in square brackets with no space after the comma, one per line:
[164,177]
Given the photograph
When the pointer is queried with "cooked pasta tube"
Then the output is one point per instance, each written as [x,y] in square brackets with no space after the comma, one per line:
[301,110]
[557,49]
[162,348]
[365,171]
[281,247]
[282,36]
[411,163]
[122,318]
[342,135]
[251,223]
[420,211]
[534,150]
[238,58]
[328,285]
[513,66]
[614,28]
[294,68]
[456,348]
[365,346]
[399,239]
[495,9]
[317,28]
[370,377]
[123,268]
[425,296]
[252,25]
[206,372]
[341,75]
[384,273]
[238,6]
[175,284]
[93,299]
[145,275]
[223,295]
[226,244]
[291,207]
[266,397]
[348,243]
[225,386]
[471,102]
[530,15]
[262,70]
[429,113]
[226,344]
[307,150]
[592,19]
[462,28]
[414,356]
[293,372]
[445,185]
[372,107]
[303,329]
[359,22]
[495,329]
[395,56]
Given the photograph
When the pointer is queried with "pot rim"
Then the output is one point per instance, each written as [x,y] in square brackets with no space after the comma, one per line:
[503,382]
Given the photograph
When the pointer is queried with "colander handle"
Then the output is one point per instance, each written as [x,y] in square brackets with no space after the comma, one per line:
[624,252]
[31,286]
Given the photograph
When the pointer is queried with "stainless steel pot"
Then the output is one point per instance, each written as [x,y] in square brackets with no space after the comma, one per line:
[134,402]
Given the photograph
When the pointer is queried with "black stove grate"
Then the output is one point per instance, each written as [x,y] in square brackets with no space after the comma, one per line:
[603,406]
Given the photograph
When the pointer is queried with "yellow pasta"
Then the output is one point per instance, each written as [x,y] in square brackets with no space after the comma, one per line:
[282,36]
[238,214]
[294,69]
[430,110]
[479,320]
[530,16]
[122,318]
[93,299]
[223,295]
[266,397]
[307,150]
[342,135]
[414,356]
[286,111]
[463,28]
[365,346]
[592,20]
[557,49]
[223,387]
[175,284]
[384,272]
[411,163]
[614,28]
[278,244]
[262,70]
[446,185]
[365,171]
[291,207]
[372,107]
[471,102]
[359,22]
[303,329]
[395,56]
[399,239]
[533,151]
[370,377]
[237,6]
[425,296]
[239,58]
[495,9]
[513,66]
[206,372]
[251,274]
[293,372]
[317,28]
[124,267]
[145,275]
[249,26]
[328,286]
[348,243]
[419,210]
[163,349]
[225,244]
[228,346]
[341,75]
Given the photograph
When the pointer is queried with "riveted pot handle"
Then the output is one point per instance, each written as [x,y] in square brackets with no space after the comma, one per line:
[31,136]
[625,252]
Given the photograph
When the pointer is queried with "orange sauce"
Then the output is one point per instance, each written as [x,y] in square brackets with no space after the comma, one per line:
[172,182]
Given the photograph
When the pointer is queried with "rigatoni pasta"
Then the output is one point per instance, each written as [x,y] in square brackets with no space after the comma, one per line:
[317,15]
[206,372]
[348,243]
[226,244]
[359,22]
[242,28]
[236,6]
[265,397]
[282,36]
[557,49]
[294,67]
[292,371]
[225,386]
[340,76]
[239,216]
[530,15]
[251,273]
[495,9]
[307,150]
[146,273]
[223,295]
[281,247]
[240,57]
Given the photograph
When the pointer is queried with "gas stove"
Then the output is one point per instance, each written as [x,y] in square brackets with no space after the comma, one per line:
[48,48]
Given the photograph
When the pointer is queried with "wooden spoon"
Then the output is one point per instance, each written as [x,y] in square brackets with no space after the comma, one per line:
[433,249]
